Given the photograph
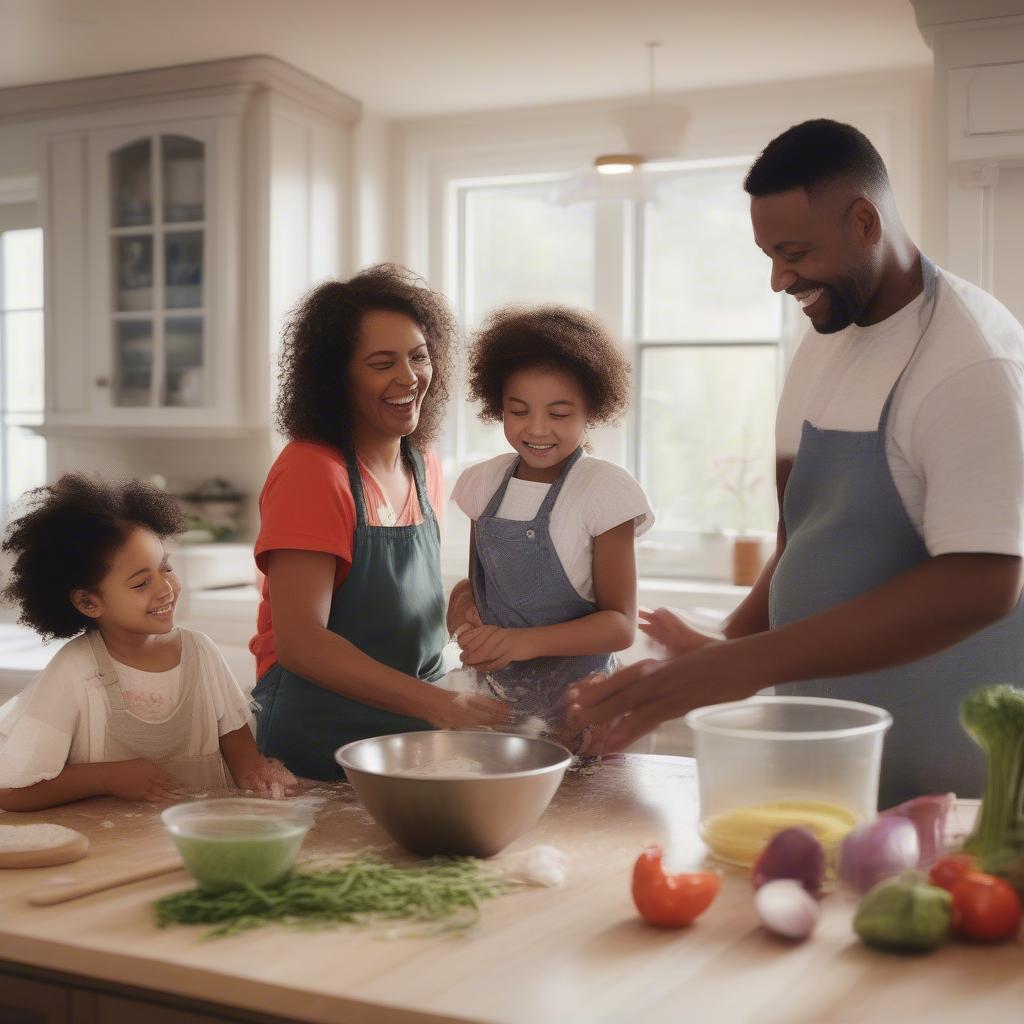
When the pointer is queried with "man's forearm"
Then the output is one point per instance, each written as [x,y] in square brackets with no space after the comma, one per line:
[922,611]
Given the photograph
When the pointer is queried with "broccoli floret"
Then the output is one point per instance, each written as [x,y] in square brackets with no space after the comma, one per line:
[994,718]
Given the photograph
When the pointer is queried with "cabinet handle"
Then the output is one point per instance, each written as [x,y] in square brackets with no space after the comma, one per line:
[103,382]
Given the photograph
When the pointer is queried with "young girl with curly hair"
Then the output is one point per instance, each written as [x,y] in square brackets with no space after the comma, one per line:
[351,622]
[131,707]
[552,589]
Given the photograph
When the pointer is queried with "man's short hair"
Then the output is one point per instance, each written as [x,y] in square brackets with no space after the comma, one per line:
[814,154]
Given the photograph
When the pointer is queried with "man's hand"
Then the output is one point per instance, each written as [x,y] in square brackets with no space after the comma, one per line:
[636,700]
[672,631]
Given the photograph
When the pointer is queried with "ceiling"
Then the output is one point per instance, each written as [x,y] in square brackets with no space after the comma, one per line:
[413,58]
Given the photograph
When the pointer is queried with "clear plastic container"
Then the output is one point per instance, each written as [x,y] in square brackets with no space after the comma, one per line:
[227,844]
[770,763]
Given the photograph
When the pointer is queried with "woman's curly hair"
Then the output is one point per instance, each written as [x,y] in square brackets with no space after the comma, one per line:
[321,336]
[514,338]
[67,539]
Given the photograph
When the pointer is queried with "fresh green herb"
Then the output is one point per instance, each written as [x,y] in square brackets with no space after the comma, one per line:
[444,892]
[994,718]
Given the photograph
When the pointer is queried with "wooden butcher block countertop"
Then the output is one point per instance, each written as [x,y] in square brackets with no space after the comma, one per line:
[578,953]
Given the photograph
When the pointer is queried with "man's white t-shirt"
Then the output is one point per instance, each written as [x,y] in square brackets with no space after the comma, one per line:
[596,497]
[60,718]
[955,435]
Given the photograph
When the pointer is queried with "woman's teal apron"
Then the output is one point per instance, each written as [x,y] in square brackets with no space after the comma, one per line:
[848,532]
[391,606]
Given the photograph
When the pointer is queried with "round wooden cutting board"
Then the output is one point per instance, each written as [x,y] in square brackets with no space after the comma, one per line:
[40,846]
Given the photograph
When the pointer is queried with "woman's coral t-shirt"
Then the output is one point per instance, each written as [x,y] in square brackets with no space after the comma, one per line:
[307,505]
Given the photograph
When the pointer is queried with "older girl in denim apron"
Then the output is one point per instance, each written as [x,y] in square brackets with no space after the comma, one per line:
[552,573]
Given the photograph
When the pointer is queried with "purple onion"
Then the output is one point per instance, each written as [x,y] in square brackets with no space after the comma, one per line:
[878,850]
[928,815]
[793,853]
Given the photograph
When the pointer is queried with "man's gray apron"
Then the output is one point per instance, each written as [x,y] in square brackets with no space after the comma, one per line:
[519,581]
[848,532]
[391,606]
[167,743]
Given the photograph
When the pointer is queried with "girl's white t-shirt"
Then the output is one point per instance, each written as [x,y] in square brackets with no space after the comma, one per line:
[955,436]
[60,718]
[596,497]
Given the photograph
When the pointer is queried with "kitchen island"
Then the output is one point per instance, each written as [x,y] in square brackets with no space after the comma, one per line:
[577,953]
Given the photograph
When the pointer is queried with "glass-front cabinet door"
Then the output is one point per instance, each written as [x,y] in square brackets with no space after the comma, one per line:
[157,237]
[163,206]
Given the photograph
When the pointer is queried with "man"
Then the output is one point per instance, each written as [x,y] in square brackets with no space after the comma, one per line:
[900,444]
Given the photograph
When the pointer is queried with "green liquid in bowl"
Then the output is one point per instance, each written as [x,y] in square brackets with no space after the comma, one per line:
[233,852]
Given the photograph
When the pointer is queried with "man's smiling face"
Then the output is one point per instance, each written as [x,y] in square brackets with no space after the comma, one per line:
[817,254]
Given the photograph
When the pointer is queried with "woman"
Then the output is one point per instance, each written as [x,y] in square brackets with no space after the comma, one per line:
[351,620]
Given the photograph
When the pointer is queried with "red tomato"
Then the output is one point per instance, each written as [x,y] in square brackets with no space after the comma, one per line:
[985,908]
[671,901]
[947,871]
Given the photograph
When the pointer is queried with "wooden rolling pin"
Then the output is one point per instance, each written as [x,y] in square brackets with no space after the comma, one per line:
[60,892]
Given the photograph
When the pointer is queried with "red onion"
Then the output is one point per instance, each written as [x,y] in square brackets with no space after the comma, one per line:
[877,850]
[787,908]
[928,814]
[792,853]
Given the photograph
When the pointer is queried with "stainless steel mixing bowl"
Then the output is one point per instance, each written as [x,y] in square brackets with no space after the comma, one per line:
[454,814]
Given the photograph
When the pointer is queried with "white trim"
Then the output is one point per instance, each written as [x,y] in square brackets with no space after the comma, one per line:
[248,74]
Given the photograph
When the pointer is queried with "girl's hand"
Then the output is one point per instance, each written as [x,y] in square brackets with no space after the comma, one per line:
[470,711]
[672,631]
[490,648]
[139,779]
[269,777]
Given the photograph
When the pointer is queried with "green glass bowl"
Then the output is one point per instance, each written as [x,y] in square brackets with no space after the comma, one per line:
[228,844]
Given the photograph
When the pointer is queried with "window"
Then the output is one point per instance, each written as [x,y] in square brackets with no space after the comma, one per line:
[684,284]
[22,452]
[708,359]
[517,246]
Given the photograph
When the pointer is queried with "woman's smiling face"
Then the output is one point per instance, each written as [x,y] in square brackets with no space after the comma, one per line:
[544,412]
[388,375]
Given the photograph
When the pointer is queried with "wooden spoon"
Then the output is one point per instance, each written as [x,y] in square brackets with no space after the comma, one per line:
[59,891]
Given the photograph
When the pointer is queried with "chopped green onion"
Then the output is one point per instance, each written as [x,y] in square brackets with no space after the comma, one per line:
[444,892]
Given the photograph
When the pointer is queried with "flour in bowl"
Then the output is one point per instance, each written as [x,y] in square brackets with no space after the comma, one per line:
[457,766]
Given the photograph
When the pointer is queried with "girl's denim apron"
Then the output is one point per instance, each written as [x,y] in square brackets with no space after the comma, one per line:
[519,581]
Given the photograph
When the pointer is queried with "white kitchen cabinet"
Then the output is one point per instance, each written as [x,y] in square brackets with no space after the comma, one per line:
[978,141]
[184,210]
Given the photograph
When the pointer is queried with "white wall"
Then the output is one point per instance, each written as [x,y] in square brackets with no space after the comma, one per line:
[893,110]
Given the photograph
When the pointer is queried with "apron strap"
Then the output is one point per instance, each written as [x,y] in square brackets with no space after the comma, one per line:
[355,484]
[415,461]
[498,496]
[544,512]
[930,279]
[107,674]
[419,476]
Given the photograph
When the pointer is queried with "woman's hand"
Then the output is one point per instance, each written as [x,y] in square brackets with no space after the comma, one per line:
[462,611]
[469,711]
[490,648]
[672,631]
[139,779]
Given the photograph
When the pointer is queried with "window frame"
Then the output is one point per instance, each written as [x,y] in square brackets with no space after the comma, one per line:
[619,293]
